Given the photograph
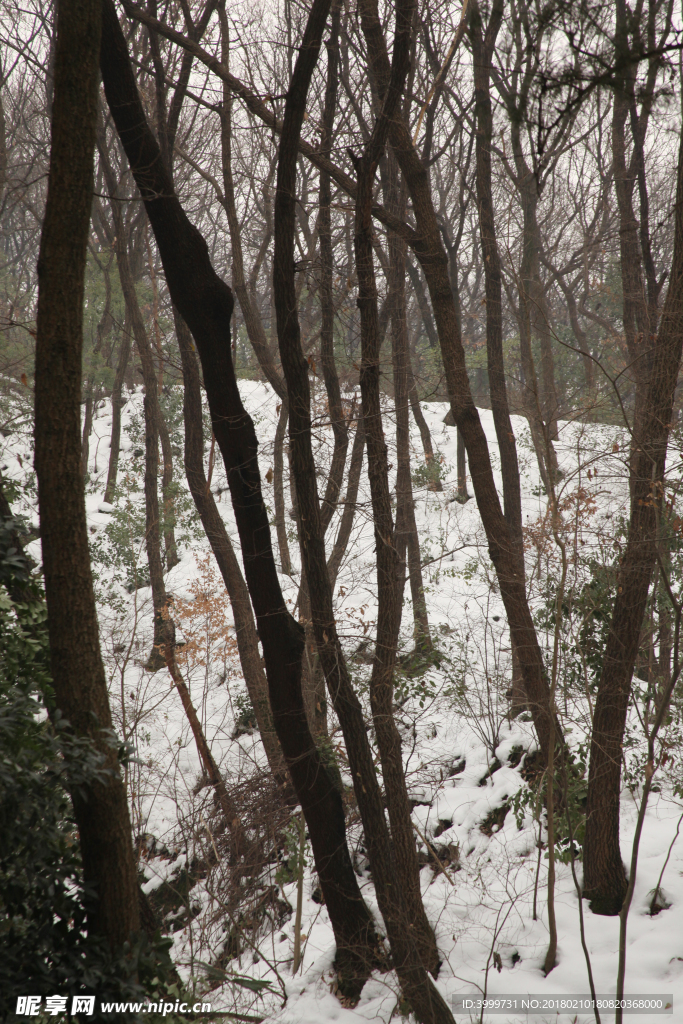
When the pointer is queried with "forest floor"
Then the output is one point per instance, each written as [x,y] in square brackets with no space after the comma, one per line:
[469,765]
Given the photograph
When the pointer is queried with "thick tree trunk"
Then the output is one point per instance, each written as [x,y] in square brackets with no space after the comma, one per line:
[279,490]
[78,674]
[206,304]
[604,878]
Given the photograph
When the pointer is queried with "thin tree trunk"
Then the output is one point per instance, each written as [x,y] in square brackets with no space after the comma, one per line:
[238,846]
[87,427]
[423,305]
[388,618]
[349,503]
[167,476]
[418,416]
[540,405]
[116,407]
[407,541]
[78,675]
[172,558]
[327,360]
[205,302]
[461,469]
[503,539]
[164,629]
[214,527]
[424,999]
[252,319]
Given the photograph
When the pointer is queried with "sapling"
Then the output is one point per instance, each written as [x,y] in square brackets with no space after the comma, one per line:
[650,768]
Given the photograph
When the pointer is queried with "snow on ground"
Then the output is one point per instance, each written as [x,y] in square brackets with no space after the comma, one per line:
[464,758]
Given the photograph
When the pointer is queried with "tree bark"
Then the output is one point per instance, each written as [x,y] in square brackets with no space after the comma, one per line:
[279,490]
[78,674]
[206,304]
[172,558]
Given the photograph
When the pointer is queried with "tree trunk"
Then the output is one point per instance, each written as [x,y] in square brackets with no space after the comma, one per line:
[349,503]
[407,540]
[279,490]
[461,468]
[418,416]
[604,878]
[172,558]
[327,360]
[164,629]
[87,427]
[502,538]
[414,947]
[538,403]
[252,319]
[205,302]
[238,846]
[402,928]
[78,675]
[116,407]
[214,527]
[388,590]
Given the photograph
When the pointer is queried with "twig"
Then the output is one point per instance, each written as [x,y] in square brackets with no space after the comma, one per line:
[434,853]
[661,873]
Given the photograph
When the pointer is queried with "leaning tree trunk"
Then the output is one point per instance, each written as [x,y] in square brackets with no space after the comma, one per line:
[206,304]
[78,675]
